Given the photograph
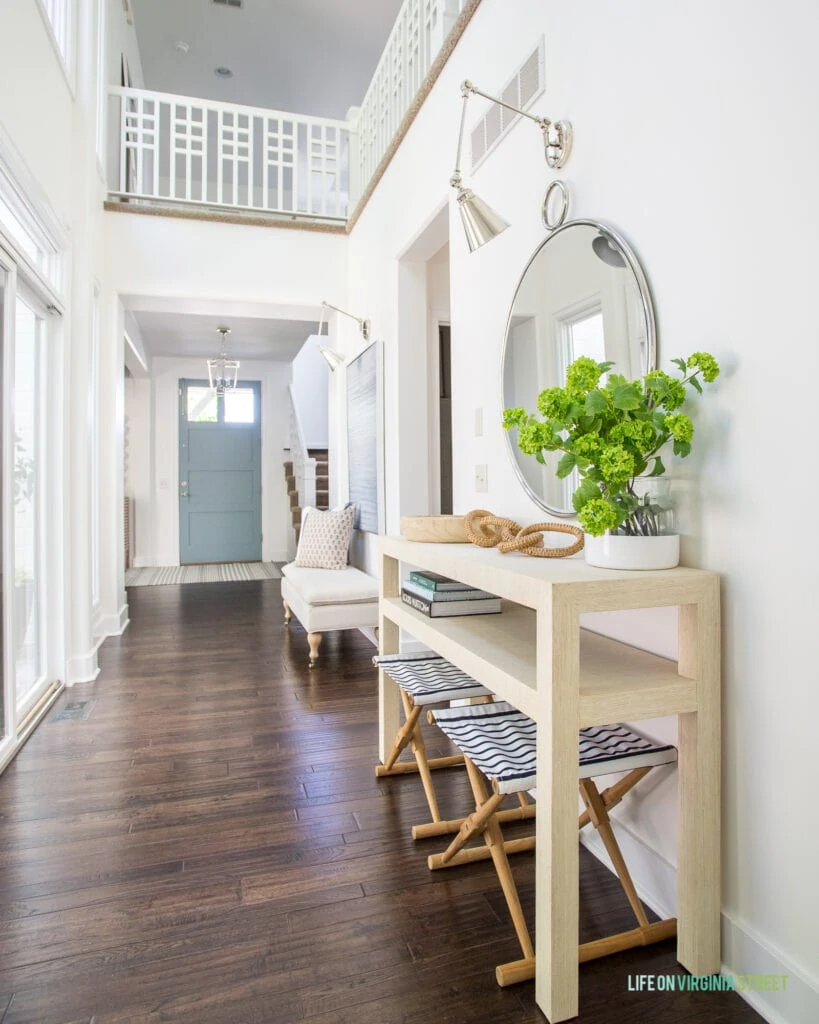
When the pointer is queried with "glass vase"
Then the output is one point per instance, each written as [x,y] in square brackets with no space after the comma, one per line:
[655,514]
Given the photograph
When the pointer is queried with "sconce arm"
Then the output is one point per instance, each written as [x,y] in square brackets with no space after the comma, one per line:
[557,135]
[363,323]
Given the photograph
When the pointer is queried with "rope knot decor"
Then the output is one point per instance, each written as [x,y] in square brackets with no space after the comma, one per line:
[488,531]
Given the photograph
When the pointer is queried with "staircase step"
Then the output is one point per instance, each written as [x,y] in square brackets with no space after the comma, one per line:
[291,483]
[294,499]
[288,469]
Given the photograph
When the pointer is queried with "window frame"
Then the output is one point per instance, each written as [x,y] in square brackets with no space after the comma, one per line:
[63,37]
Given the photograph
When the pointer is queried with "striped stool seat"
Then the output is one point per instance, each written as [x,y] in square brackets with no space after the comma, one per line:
[500,745]
[428,678]
[502,742]
[425,678]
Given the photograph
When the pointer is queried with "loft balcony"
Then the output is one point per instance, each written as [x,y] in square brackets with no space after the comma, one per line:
[184,151]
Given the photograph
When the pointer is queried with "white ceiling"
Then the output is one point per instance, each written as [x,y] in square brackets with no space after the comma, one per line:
[189,335]
[302,56]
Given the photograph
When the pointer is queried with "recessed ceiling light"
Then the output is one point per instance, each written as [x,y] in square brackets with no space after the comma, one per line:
[223,72]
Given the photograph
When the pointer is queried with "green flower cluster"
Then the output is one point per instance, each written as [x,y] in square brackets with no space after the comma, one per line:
[583,374]
[554,403]
[707,365]
[533,437]
[616,464]
[598,515]
[612,430]
[680,427]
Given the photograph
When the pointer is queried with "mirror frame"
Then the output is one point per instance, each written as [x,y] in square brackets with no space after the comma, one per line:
[646,301]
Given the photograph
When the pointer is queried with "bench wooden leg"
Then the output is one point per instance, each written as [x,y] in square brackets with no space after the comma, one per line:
[314,640]
[288,614]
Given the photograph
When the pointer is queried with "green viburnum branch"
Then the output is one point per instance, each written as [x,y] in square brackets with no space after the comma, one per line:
[612,434]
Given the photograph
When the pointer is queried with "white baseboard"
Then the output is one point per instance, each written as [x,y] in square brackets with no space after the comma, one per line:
[115,625]
[744,951]
[82,668]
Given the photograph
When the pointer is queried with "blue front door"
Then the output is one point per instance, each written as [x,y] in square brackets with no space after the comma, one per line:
[220,458]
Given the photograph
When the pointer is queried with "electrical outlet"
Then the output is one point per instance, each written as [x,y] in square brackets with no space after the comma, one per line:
[481,478]
[479,423]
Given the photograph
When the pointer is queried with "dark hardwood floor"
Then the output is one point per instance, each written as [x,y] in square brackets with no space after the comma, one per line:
[204,842]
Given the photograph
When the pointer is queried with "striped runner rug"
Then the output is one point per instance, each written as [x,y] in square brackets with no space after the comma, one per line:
[224,572]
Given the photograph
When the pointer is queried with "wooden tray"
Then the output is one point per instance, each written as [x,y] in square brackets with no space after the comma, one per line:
[435,529]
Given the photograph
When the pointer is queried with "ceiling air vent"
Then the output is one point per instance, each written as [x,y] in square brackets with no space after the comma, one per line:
[229,3]
[528,82]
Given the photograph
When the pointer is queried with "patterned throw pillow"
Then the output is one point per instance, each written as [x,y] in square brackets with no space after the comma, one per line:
[325,538]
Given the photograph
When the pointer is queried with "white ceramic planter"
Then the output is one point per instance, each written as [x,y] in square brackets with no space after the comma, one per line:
[614,552]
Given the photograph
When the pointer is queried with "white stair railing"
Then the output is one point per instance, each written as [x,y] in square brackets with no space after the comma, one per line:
[183,149]
[418,34]
[304,467]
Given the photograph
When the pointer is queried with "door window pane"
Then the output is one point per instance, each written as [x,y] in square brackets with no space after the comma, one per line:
[202,405]
[240,405]
[27,577]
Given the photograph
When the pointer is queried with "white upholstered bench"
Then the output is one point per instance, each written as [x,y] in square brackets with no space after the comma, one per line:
[325,599]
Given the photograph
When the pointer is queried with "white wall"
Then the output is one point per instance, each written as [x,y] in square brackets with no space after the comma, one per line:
[310,380]
[671,107]
[166,257]
[167,372]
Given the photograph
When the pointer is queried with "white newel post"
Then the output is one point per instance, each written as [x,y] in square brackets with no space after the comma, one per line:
[354,185]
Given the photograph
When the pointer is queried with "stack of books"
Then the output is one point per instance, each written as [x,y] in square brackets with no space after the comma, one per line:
[439,596]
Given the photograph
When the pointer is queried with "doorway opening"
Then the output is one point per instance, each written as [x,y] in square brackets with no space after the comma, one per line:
[445,417]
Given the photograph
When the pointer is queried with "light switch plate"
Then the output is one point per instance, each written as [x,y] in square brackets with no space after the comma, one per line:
[481,478]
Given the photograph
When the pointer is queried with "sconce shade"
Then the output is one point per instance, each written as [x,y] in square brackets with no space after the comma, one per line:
[605,251]
[333,359]
[480,221]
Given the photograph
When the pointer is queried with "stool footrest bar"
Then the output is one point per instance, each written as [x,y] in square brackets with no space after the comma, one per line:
[407,767]
[656,932]
[441,828]
[476,853]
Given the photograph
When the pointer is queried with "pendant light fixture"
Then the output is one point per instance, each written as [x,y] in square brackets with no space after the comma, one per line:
[223,373]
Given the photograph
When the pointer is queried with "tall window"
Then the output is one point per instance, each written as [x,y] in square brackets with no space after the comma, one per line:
[61,16]
[27,474]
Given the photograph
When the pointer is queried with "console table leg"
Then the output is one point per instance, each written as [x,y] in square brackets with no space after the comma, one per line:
[557,868]
[698,900]
[389,703]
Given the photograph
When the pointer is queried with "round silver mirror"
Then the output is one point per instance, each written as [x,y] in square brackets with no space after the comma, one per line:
[583,293]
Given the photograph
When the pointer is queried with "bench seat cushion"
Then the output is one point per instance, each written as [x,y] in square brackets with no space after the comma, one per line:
[332,586]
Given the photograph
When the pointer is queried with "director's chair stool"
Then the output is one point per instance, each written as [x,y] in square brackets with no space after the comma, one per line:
[499,745]
[425,678]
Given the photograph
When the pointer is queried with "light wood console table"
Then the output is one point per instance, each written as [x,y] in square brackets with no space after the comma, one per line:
[535,655]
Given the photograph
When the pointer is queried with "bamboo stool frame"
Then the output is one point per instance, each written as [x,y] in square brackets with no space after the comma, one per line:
[485,820]
[410,735]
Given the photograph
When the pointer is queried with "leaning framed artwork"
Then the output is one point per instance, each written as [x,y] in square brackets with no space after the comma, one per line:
[365,434]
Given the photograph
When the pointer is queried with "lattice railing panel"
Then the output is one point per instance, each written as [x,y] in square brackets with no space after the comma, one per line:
[416,38]
[182,149]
